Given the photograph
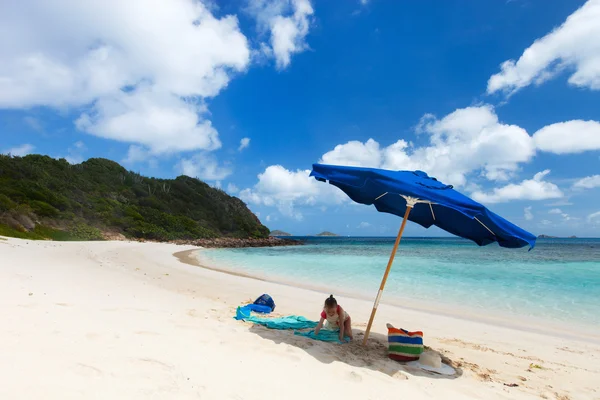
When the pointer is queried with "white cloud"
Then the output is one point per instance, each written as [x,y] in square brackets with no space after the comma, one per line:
[569,137]
[244,143]
[272,218]
[204,166]
[546,222]
[558,211]
[574,46]
[76,152]
[530,189]
[594,217]
[138,154]
[153,163]
[286,190]
[560,203]
[467,140]
[163,122]
[20,151]
[142,71]
[364,2]
[528,213]
[288,22]
[355,153]
[34,124]
[589,182]
[364,225]
[232,189]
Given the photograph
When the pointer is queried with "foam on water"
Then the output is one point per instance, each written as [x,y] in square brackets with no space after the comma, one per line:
[558,281]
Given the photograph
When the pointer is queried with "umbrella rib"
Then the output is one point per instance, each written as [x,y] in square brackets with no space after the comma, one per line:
[485,226]
[431,208]
[380,196]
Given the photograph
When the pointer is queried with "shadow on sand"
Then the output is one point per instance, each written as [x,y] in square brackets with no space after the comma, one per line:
[373,356]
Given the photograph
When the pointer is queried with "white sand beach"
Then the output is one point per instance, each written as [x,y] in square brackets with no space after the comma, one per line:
[129,320]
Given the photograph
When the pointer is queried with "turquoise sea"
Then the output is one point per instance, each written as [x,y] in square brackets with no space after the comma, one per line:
[558,281]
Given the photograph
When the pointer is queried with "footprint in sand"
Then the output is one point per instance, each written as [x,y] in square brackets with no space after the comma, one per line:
[192,313]
[303,344]
[92,336]
[399,375]
[484,376]
[355,377]
[88,370]
[570,350]
[146,333]
[158,363]
[293,358]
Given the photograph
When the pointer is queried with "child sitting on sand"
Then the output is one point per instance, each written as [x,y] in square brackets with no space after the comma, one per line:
[336,318]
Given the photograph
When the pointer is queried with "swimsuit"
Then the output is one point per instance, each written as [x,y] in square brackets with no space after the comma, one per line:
[334,321]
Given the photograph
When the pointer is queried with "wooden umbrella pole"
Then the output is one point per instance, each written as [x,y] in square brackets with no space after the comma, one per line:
[387,271]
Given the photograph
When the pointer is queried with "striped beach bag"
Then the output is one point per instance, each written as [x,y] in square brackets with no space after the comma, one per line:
[404,345]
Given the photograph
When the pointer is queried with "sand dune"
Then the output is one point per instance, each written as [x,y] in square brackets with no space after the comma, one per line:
[129,320]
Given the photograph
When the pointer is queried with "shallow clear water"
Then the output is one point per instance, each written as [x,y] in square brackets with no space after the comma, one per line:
[559,280]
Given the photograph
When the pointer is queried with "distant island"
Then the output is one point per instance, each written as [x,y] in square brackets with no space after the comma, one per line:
[279,233]
[554,237]
[327,234]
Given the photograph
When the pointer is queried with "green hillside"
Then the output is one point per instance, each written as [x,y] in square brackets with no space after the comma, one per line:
[41,197]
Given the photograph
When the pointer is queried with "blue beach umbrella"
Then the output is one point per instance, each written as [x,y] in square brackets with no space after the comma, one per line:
[417,197]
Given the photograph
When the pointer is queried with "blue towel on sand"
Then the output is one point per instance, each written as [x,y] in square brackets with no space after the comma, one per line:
[324,335]
[289,322]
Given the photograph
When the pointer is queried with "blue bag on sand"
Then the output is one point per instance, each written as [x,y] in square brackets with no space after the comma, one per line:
[265,300]
[259,308]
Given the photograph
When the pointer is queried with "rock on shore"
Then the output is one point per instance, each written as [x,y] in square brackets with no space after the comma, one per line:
[239,243]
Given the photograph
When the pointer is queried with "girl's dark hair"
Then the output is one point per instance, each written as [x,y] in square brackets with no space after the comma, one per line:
[330,302]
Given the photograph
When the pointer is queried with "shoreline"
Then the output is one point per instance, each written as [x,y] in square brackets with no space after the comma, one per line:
[524,323]
[226,242]
[137,320]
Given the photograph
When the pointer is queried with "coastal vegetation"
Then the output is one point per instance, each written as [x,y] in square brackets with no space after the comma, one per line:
[46,198]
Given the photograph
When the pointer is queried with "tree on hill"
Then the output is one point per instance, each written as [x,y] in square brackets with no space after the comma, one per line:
[41,197]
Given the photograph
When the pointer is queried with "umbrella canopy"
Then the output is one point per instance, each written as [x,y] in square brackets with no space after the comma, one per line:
[436,203]
[422,199]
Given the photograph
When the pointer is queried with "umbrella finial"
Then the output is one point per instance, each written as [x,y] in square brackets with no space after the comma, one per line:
[410,201]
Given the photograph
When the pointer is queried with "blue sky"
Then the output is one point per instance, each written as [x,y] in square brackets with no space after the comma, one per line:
[499,98]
